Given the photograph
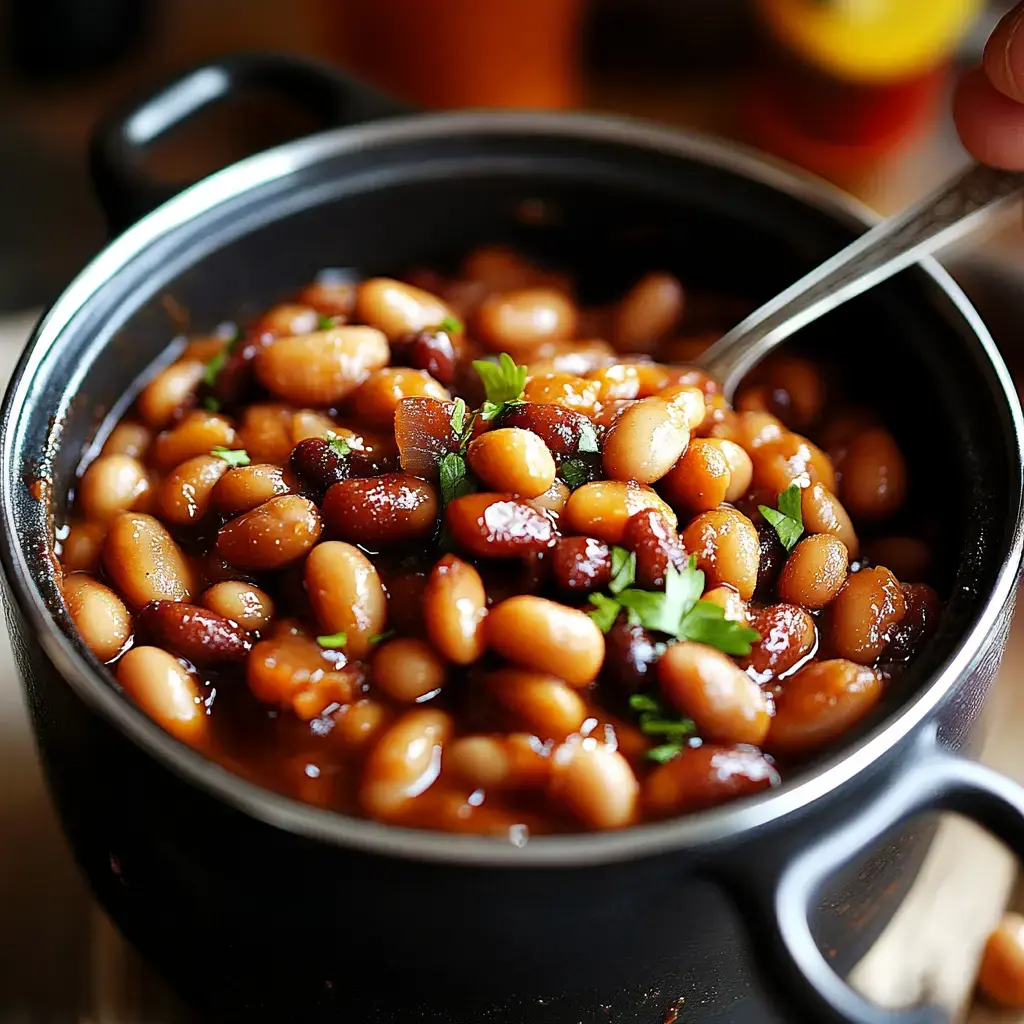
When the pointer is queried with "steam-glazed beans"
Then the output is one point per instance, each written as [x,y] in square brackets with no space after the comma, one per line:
[461,553]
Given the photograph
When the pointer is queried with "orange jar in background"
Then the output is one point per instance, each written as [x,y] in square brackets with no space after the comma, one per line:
[464,53]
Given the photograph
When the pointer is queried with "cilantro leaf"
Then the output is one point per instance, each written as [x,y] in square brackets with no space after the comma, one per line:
[214,366]
[489,410]
[656,720]
[450,325]
[333,641]
[455,478]
[325,323]
[706,623]
[339,445]
[788,521]
[606,611]
[459,417]
[504,381]
[574,473]
[665,752]
[623,569]
[233,457]
[664,612]
[588,439]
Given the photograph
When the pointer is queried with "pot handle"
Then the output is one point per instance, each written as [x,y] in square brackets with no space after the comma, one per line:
[797,971]
[121,140]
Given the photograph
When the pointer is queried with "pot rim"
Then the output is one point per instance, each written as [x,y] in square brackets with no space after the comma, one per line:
[688,832]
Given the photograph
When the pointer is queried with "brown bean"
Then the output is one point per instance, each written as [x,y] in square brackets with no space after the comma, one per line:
[240,602]
[601,509]
[397,308]
[430,350]
[321,368]
[645,442]
[596,784]
[243,488]
[566,433]
[514,761]
[750,430]
[581,565]
[293,672]
[144,562]
[376,400]
[822,513]
[617,382]
[796,391]
[788,636]
[700,480]
[874,476]
[512,460]
[656,544]
[546,636]
[159,684]
[265,432]
[495,526]
[454,608]
[923,610]
[404,762]
[631,654]
[272,535]
[909,558]
[518,320]
[408,670]
[688,404]
[346,593]
[820,703]
[706,685]
[128,438]
[380,510]
[330,297]
[741,469]
[647,312]
[184,496]
[1001,974]
[865,613]
[727,548]
[99,615]
[360,724]
[114,484]
[288,318]
[170,391]
[564,390]
[194,633]
[814,571]
[311,423]
[790,459]
[706,776]
[728,599]
[197,434]
[554,499]
[80,550]
[544,704]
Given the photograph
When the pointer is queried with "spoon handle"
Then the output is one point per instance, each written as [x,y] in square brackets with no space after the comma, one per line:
[894,244]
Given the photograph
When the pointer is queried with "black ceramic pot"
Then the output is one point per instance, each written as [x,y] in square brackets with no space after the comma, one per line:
[256,907]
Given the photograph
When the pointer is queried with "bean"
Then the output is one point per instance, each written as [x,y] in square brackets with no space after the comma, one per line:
[581,565]
[430,350]
[654,541]
[546,636]
[562,430]
[292,672]
[271,535]
[321,368]
[705,777]
[772,558]
[114,484]
[1001,973]
[788,636]
[722,700]
[741,469]
[184,496]
[790,459]
[408,670]
[128,438]
[170,391]
[381,510]
[405,588]
[596,784]
[865,613]
[700,480]
[917,624]
[688,404]
[814,571]
[750,430]
[197,434]
[160,685]
[454,608]
[727,549]
[754,398]
[360,724]
[796,390]
[841,428]
[265,432]
[244,488]
[81,548]
[514,761]
[644,443]
[512,460]
[197,634]
[909,558]
[346,593]
[647,312]
[288,318]
[544,704]
[617,382]
[144,562]
[874,476]
[311,423]
[563,390]
[376,399]
[404,762]
[728,599]
[397,308]
[330,298]
[99,615]
[554,499]
[601,509]
[820,703]
[630,656]
[240,602]
[822,513]
[494,526]
[517,320]
[425,434]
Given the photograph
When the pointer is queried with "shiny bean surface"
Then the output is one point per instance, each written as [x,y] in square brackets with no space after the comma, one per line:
[270,536]
[98,614]
[159,684]
[381,510]
[454,609]
[144,562]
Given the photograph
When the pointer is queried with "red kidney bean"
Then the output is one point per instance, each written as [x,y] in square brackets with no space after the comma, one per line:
[581,565]
[559,428]
[788,635]
[495,526]
[387,509]
[318,466]
[657,546]
[429,350]
[189,631]
[772,558]
[917,624]
[630,656]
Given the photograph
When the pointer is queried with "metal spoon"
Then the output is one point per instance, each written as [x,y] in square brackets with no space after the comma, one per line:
[897,242]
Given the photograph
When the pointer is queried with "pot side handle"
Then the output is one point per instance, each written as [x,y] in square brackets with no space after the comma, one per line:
[121,140]
[794,968]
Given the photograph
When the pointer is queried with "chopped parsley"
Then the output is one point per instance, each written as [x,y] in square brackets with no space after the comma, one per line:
[233,457]
[606,611]
[459,417]
[333,641]
[574,473]
[623,569]
[504,382]
[450,325]
[656,720]
[214,366]
[588,439]
[378,638]
[211,404]
[788,521]
[339,445]
[455,478]
[325,323]
[705,623]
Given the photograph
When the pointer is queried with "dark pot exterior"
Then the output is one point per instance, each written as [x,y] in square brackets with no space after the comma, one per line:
[257,909]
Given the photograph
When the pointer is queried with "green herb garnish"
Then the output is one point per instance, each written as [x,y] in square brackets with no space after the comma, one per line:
[450,325]
[503,381]
[588,438]
[214,366]
[788,521]
[705,623]
[606,611]
[325,323]
[574,473]
[663,611]
[623,569]
[339,445]
[459,417]
[334,641]
[211,404]
[378,638]
[656,720]
[455,478]
[232,456]
[665,752]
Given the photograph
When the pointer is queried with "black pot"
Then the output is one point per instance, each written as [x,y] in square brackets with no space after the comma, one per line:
[257,907]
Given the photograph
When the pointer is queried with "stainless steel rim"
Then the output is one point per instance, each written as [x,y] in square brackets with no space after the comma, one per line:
[561,851]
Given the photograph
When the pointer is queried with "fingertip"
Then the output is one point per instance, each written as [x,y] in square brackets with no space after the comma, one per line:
[991,126]
[1004,55]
